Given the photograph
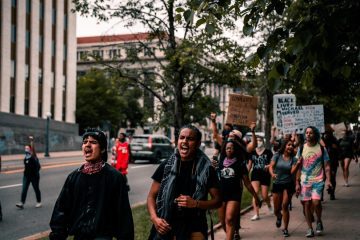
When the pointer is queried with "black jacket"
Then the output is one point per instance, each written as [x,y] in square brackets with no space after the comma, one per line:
[91,206]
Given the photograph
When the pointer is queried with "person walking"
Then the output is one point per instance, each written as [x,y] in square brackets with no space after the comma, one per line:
[31,174]
[123,156]
[259,162]
[310,183]
[332,147]
[94,201]
[233,175]
[347,146]
[282,168]
[114,153]
[178,197]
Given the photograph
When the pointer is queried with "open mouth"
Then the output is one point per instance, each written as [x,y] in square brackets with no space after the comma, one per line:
[184,149]
[87,152]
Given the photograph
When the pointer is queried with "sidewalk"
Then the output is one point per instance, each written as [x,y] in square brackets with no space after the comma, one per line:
[341,217]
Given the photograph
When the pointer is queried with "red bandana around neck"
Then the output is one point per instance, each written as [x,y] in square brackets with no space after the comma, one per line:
[91,168]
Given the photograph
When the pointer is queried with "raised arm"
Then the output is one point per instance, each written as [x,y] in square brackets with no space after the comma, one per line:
[216,136]
[253,144]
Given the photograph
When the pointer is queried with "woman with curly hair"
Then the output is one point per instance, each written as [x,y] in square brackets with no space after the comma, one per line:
[282,167]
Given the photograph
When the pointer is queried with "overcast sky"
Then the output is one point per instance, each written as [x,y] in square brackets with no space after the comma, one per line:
[90,27]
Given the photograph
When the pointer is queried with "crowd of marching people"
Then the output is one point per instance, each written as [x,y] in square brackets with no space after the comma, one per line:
[304,165]
[94,202]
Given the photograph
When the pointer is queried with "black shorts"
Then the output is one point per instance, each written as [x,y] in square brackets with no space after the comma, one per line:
[263,177]
[280,187]
[231,194]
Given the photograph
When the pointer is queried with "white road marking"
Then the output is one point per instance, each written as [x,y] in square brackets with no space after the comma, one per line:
[10,186]
[141,166]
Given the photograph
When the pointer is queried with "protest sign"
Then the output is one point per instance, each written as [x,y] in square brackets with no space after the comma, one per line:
[242,109]
[302,117]
[283,105]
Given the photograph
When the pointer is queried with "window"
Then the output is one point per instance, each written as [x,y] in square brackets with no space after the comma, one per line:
[28,6]
[27,39]
[53,48]
[13,69]
[40,76]
[41,43]
[114,53]
[98,53]
[41,9]
[148,51]
[13,33]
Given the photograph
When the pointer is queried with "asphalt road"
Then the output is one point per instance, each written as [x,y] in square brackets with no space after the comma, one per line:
[21,223]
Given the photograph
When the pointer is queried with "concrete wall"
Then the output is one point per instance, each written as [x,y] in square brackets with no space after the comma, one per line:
[15,130]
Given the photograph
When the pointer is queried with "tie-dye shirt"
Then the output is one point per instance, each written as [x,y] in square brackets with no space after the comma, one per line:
[312,165]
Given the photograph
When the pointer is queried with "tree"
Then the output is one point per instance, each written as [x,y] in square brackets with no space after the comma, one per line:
[320,54]
[100,97]
[190,62]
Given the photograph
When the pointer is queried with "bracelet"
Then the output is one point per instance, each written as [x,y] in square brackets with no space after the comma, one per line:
[197,204]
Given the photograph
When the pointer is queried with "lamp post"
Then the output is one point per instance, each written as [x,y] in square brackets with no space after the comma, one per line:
[48,116]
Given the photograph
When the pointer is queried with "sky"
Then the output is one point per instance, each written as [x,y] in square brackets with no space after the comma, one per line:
[90,27]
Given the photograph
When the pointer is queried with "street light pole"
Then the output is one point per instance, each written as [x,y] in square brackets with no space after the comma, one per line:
[48,116]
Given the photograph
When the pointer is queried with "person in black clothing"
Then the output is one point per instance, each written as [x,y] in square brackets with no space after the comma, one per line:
[347,146]
[332,147]
[31,174]
[94,201]
[178,197]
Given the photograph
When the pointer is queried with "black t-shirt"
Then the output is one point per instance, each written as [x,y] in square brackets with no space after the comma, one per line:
[260,161]
[185,185]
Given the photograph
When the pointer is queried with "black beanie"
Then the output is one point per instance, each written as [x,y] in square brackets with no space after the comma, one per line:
[100,136]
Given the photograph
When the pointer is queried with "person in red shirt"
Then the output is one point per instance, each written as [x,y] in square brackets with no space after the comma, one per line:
[123,155]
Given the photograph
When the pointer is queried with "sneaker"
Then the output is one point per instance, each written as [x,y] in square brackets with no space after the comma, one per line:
[20,205]
[319,227]
[285,233]
[332,197]
[37,205]
[271,210]
[278,221]
[346,185]
[237,236]
[255,217]
[309,233]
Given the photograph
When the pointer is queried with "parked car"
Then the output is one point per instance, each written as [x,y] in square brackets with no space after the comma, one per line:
[151,147]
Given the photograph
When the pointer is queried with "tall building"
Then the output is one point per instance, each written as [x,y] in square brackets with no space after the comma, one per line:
[37,69]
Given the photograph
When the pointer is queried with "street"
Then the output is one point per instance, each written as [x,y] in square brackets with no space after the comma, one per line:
[21,223]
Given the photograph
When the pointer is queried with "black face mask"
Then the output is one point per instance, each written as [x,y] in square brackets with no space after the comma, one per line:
[122,140]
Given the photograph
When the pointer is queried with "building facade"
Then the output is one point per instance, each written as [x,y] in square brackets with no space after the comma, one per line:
[114,50]
[37,67]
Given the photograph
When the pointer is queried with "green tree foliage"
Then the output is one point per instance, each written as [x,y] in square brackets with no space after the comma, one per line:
[318,42]
[101,98]
[192,57]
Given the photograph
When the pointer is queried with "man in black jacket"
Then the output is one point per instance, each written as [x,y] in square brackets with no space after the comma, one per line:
[94,202]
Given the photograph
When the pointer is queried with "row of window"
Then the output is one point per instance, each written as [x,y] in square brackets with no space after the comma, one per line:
[116,53]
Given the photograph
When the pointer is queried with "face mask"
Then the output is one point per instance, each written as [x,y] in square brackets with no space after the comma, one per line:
[27,152]
[260,144]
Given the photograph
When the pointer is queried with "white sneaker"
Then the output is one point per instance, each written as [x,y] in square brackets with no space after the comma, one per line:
[37,205]
[255,217]
[271,210]
[20,205]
